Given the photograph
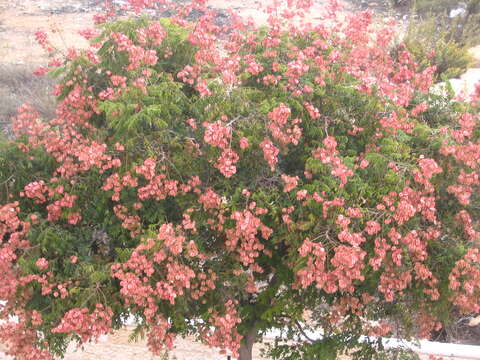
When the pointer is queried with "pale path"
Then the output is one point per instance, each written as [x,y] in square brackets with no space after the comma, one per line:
[118,347]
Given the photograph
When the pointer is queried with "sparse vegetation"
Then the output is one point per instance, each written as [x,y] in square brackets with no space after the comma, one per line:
[18,85]
[440,32]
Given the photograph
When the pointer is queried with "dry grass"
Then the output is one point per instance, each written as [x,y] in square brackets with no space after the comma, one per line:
[18,85]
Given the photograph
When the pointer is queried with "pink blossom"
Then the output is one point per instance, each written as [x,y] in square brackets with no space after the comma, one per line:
[42,263]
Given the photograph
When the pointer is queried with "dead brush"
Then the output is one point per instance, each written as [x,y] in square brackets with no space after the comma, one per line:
[18,85]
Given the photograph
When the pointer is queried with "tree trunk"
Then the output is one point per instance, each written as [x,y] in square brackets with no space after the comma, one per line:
[245,352]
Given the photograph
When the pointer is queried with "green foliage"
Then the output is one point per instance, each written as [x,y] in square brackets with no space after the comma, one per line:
[161,106]
[174,53]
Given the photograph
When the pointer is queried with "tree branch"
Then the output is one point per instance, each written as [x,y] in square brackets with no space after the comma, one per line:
[299,326]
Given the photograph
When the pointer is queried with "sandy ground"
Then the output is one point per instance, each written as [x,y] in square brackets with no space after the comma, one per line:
[20,19]
[118,347]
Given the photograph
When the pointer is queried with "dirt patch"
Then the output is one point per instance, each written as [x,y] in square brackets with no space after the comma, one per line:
[19,23]
[118,346]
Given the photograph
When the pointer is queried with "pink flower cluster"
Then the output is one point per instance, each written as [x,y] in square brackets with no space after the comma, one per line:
[465,282]
[428,168]
[36,190]
[113,182]
[9,221]
[205,283]
[466,220]
[42,263]
[129,222]
[392,124]
[466,185]
[217,134]
[243,238]
[315,269]
[153,34]
[312,110]
[55,208]
[21,337]
[137,55]
[393,281]
[290,182]
[140,279]
[210,200]
[225,336]
[270,152]
[9,283]
[158,336]
[226,163]
[329,155]
[87,325]
[467,125]
[170,240]
[347,265]
[279,127]
[253,67]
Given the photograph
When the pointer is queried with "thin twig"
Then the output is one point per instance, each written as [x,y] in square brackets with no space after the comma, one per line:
[299,326]
[7,180]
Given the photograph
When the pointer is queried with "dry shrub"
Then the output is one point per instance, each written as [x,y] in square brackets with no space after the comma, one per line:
[18,85]
[461,330]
